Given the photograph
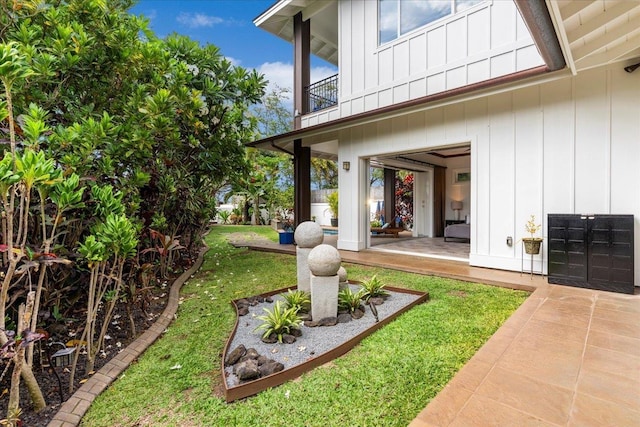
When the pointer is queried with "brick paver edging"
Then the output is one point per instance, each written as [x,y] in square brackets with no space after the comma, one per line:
[72,411]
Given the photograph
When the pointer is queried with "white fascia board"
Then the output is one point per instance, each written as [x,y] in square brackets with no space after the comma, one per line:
[271,12]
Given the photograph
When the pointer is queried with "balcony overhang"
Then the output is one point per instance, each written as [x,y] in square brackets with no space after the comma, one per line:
[278,20]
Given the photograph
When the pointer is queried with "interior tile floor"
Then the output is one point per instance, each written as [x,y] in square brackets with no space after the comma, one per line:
[566,357]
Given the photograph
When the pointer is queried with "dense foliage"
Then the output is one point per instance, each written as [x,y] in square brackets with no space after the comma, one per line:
[163,121]
[114,146]
[404,198]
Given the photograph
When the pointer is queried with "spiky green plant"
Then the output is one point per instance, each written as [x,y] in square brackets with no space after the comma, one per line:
[349,300]
[279,321]
[298,300]
[373,288]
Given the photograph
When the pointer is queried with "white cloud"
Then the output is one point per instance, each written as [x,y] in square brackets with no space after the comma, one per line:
[278,74]
[281,74]
[151,14]
[234,61]
[319,73]
[197,20]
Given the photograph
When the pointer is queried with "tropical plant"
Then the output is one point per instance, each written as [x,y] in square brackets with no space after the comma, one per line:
[332,200]
[404,198]
[279,321]
[298,300]
[373,288]
[91,98]
[20,172]
[224,216]
[324,173]
[349,300]
[113,241]
[165,246]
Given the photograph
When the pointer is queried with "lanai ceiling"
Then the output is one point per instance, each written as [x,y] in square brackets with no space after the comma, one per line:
[324,30]
[597,32]
[422,160]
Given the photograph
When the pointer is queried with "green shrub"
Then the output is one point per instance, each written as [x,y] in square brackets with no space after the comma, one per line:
[349,300]
[298,300]
[373,288]
[279,321]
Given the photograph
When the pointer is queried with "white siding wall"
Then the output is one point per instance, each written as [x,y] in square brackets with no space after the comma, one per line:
[567,146]
[483,42]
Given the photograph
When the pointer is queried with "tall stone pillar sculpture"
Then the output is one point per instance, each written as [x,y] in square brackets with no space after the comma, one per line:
[308,235]
[324,263]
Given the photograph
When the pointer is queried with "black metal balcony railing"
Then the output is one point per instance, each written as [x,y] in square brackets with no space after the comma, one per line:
[322,94]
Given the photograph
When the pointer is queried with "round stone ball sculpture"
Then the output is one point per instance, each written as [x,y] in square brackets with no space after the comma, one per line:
[324,261]
[308,234]
[342,275]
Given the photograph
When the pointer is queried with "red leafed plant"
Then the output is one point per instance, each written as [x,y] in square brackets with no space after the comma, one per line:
[165,246]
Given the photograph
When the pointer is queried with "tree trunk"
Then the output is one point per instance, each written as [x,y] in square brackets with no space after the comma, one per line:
[21,369]
[37,398]
[132,322]
[18,361]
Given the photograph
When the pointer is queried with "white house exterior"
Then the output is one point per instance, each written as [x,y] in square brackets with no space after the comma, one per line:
[544,116]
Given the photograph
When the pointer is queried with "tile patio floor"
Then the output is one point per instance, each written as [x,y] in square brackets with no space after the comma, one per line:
[566,357]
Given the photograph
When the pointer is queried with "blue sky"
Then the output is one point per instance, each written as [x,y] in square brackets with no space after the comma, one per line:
[228,24]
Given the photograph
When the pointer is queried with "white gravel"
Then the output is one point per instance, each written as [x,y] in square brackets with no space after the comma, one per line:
[314,341]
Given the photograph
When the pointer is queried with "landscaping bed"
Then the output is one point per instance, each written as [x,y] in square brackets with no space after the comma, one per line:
[315,346]
[54,381]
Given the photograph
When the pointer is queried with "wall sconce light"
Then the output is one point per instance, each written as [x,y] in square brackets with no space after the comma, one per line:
[346,165]
[456,206]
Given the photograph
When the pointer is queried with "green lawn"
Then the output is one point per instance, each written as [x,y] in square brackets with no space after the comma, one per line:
[385,381]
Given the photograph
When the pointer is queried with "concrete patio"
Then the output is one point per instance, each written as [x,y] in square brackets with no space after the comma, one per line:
[566,357]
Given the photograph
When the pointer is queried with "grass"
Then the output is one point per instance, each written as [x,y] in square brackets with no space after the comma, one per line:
[385,381]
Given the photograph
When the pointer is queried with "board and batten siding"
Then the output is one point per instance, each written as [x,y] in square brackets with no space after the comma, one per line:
[567,145]
[486,41]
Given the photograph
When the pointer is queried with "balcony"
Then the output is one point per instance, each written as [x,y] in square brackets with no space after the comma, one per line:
[322,94]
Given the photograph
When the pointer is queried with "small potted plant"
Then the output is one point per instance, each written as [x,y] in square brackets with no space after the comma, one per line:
[332,200]
[532,243]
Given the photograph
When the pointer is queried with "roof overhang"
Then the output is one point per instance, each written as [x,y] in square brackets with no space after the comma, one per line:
[598,32]
[278,20]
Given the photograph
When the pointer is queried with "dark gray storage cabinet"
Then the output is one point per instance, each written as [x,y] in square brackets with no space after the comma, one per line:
[591,251]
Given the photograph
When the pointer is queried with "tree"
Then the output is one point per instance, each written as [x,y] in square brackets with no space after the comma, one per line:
[324,173]
[88,103]
[274,118]
[162,120]
[377,176]
[270,177]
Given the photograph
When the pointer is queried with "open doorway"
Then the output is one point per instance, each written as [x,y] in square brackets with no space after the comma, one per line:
[441,198]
